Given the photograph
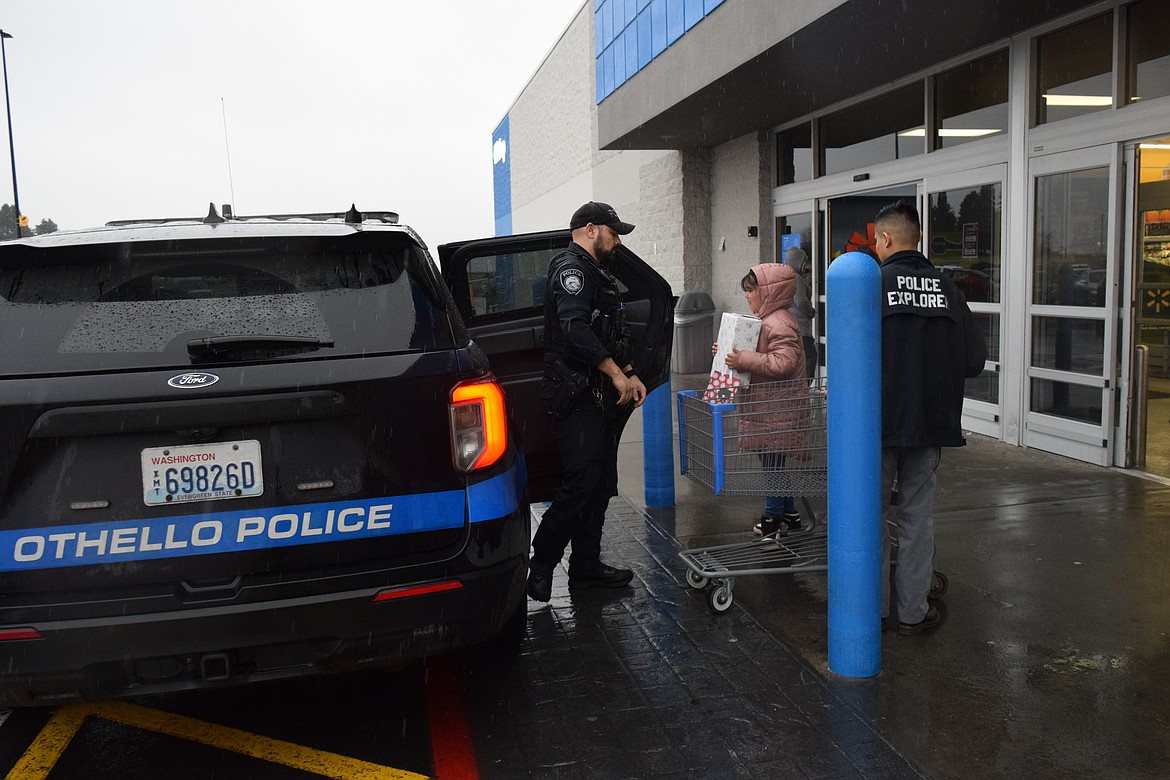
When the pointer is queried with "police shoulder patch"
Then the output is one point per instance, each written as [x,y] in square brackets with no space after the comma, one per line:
[572,280]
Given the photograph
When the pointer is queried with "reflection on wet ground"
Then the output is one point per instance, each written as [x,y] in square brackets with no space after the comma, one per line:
[1054,657]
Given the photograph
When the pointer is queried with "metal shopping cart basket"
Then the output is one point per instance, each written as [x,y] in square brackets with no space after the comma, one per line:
[764,440]
[768,439]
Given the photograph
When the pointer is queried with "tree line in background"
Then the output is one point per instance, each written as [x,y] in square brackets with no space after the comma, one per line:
[8,225]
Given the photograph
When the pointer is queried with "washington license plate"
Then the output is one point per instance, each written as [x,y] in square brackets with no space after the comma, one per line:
[201,472]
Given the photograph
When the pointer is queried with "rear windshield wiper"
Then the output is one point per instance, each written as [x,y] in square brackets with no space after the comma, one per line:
[216,346]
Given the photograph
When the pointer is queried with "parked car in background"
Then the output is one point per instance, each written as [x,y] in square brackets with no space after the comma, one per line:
[975,285]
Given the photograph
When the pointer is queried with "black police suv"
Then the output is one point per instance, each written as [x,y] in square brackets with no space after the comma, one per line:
[237,449]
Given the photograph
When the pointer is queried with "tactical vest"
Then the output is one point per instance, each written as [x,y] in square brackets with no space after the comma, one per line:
[606,318]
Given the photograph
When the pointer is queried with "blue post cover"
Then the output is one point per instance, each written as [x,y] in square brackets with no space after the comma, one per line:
[658,447]
[853,297]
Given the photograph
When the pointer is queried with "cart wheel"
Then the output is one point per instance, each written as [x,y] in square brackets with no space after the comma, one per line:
[938,586]
[696,580]
[720,598]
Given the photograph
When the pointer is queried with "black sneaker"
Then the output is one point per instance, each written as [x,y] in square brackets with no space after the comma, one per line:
[772,526]
[540,577]
[767,526]
[932,620]
[601,576]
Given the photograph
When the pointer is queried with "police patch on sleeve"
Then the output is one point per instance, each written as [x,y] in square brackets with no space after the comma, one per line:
[572,280]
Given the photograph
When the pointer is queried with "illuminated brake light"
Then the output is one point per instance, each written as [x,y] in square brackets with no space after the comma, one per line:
[417,590]
[479,424]
[7,634]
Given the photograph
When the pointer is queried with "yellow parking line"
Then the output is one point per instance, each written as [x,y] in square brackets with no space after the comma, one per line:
[39,759]
[44,752]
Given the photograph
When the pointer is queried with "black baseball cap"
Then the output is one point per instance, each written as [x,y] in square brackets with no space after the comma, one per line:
[599,214]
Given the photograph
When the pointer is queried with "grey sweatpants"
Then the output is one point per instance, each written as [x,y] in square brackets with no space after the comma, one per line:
[914,468]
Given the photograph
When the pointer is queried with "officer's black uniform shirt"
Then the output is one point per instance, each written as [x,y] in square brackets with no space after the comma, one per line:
[573,296]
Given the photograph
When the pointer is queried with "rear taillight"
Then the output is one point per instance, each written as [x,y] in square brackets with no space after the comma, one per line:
[9,634]
[479,426]
[409,591]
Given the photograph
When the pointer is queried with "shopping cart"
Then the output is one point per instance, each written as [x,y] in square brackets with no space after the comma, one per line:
[765,440]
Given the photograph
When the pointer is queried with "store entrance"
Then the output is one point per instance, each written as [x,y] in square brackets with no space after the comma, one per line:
[1151,327]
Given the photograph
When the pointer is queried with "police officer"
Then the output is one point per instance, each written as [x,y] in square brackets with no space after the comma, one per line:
[930,344]
[587,376]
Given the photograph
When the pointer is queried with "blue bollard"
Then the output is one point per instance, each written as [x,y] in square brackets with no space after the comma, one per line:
[854,429]
[658,447]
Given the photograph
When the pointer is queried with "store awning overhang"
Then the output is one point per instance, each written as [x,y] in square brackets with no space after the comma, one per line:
[852,48]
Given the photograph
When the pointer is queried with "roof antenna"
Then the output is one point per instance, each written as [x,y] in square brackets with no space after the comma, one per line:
[353,216]
[212,217]
[228,150]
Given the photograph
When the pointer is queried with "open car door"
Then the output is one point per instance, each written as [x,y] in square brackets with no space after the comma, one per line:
[498,286]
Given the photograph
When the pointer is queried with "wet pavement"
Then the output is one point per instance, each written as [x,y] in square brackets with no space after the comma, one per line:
[1054,659]
[647,682]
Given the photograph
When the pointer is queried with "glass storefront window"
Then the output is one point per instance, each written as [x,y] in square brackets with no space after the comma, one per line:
[794,155]
[1149,50]
[1153,269]
[1062,399]
[889,127]
[985,387]
[1070,243]
[1067,344]
[965,239]
[972,101]
[1074,70]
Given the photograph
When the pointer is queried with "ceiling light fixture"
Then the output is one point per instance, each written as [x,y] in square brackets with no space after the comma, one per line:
[1079,100]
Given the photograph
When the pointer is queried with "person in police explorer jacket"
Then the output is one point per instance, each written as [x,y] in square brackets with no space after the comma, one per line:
[587,375]
[930,344]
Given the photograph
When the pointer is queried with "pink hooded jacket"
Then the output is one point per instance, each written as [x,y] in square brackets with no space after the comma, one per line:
[774,413]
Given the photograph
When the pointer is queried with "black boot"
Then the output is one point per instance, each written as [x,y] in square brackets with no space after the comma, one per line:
[540,576]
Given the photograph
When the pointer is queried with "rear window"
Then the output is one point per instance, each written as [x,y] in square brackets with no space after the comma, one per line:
[146,305]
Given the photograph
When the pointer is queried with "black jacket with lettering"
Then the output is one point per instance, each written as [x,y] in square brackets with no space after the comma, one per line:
[930,344]
[577,292]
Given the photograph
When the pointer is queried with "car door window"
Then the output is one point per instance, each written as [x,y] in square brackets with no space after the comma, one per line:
[511,281]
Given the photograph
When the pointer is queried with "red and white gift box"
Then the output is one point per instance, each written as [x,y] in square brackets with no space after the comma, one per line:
[739,331]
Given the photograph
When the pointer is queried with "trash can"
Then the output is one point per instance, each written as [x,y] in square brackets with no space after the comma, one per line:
[692,333]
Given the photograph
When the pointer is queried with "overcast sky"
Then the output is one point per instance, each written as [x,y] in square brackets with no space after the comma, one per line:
[118,107]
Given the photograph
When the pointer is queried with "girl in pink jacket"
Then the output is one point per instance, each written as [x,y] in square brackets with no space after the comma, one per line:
[775,413]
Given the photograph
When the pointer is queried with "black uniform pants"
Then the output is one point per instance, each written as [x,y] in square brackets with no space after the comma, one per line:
[587,440]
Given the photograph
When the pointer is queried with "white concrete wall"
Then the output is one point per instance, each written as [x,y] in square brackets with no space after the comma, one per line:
[556,166]
[738,170]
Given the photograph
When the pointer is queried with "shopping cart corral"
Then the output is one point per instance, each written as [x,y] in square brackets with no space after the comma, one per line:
[768,439]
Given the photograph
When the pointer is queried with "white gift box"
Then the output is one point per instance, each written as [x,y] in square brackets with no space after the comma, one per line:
[741,331]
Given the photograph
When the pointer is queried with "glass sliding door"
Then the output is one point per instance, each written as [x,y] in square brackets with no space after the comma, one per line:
[964,238]
[1071,338]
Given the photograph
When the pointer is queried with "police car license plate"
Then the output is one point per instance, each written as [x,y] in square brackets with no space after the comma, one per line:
[201,472]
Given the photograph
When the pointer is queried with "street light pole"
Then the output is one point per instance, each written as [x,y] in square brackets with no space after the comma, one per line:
[11,146]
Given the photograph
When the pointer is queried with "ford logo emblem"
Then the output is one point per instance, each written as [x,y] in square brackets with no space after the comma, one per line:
[194,379]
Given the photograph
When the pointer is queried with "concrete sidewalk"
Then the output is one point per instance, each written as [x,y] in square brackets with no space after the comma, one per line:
[1054,659]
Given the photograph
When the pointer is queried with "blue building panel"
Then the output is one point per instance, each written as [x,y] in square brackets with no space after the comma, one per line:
[610,82]
[644,45]
[618,52]
[502,177]
[657,27]
[675,20]
[604,18]
[631,35]
[628,34]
